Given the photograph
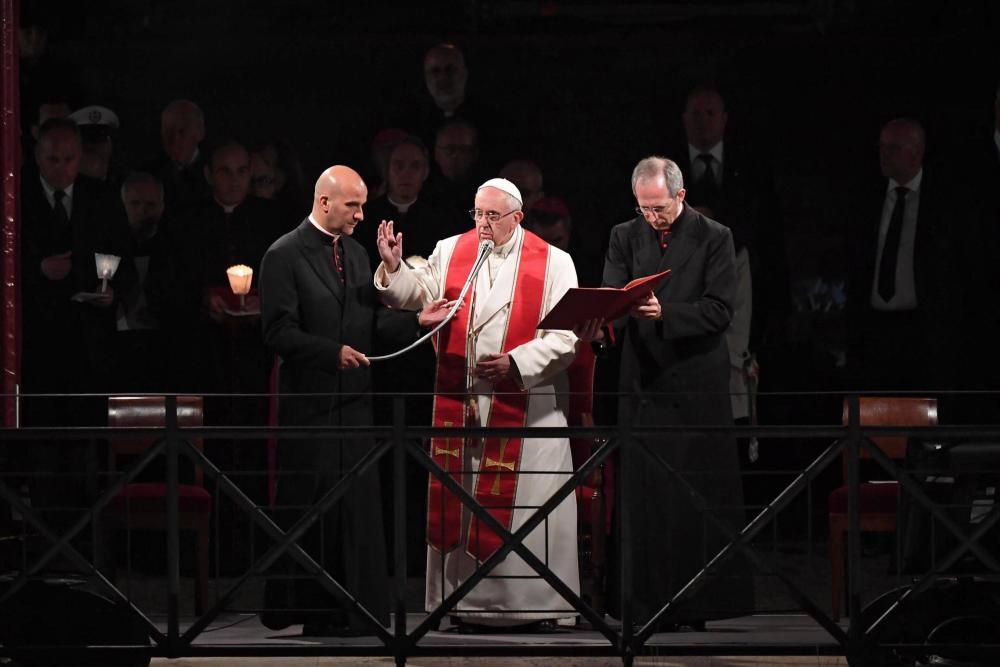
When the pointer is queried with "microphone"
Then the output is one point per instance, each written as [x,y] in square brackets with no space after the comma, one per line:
[485,248]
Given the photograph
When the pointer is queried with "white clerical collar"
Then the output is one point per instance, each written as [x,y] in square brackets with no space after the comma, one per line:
[402,208]
[226,207]
[504,250]
[50,191]
[715,151]
[996,138]
[320,228]
[913,185]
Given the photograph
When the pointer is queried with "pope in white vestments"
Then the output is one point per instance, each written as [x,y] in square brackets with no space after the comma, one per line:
[513,374]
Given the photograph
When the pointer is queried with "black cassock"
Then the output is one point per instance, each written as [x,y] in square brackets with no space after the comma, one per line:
[307,315]
[678,371]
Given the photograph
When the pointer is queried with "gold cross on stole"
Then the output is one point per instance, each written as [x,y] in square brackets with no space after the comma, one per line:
[446,450]
[499,465]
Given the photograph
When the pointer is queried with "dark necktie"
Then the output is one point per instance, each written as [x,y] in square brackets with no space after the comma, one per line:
[59,208]
[890,249]
[338,258]
[707,184]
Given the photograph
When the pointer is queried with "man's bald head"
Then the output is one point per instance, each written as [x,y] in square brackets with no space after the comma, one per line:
[338,198]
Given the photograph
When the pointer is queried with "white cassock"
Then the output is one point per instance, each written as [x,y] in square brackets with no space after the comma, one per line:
[541,364]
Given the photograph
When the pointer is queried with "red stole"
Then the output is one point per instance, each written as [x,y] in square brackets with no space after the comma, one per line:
[497,482]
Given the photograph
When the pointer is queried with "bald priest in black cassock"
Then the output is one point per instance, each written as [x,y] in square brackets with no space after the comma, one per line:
[321,323]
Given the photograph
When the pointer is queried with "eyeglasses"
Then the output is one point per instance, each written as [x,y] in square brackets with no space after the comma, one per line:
[646,210]
[491,216]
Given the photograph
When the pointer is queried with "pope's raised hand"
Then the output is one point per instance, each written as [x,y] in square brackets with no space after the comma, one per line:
[390,246]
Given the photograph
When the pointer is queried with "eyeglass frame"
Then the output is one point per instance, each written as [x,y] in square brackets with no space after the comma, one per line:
[491,217]
[646,210]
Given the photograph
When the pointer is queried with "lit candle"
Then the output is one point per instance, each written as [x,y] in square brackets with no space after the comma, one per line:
[106,267]
[240,277]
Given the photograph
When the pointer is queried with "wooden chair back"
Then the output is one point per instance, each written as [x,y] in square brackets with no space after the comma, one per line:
[147,412]
[901,411]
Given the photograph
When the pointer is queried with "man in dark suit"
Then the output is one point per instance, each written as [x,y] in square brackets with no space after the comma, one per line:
[728,184]
[68,323]
[320,315]
[66,218]
[674,355]
[905,303]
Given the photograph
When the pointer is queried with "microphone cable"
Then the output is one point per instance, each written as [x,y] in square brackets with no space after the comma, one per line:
[485,248]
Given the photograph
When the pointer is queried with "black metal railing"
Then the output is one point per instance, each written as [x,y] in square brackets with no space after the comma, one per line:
[865,639]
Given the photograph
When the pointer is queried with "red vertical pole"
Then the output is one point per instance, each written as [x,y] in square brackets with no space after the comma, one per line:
[10,148]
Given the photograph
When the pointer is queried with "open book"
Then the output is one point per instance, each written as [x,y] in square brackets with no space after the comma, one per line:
[580,304]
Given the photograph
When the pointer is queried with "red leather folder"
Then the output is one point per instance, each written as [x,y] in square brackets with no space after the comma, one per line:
[580,304]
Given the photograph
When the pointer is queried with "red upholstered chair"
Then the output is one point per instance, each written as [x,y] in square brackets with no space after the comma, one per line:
[879,500]
[142,505]
[594,499]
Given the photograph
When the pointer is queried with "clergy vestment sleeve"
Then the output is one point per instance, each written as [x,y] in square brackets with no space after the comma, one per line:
[712,311]
[408,288]
[552,351]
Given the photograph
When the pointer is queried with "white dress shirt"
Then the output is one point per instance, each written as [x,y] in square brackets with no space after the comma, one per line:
[698,166]
[50,197]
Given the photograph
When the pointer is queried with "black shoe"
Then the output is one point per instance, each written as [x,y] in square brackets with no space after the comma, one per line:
[276,620]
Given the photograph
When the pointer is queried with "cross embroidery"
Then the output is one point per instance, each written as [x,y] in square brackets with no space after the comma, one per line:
[499,465]
[454,453]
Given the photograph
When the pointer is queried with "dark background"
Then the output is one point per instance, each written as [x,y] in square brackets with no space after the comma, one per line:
[583,88]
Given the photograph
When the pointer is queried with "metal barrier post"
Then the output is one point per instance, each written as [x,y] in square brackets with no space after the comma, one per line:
[625,451]
[399,526]
[855,631]
[173,528]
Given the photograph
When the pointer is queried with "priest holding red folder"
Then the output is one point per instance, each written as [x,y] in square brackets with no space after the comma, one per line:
[675,372]
[495,368]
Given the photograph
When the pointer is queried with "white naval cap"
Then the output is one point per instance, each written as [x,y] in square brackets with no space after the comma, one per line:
[505,185]
[95,115]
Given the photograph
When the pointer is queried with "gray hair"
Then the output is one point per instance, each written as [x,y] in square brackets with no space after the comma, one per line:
[656,167]
[136,177]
